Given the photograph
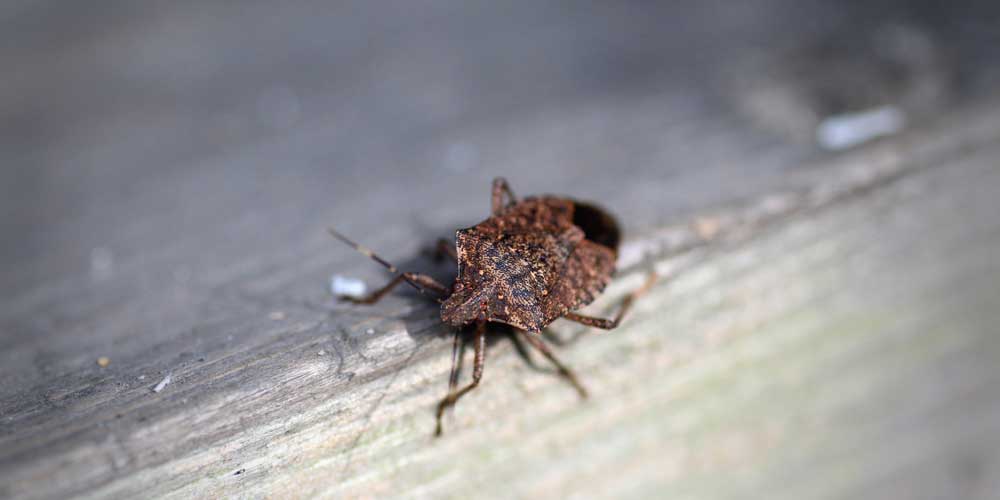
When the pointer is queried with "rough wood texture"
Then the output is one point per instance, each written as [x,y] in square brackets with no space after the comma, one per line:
[826,328]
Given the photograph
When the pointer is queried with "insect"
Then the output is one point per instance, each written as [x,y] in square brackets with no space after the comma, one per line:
[529,263]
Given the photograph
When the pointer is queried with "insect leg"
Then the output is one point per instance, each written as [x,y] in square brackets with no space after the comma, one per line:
[539,344]
[456,361]
[609,324]
[500,187]
[420,279]
[477,375]
[445,248]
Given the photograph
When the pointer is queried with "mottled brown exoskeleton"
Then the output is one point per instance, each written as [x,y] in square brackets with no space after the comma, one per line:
[531,262]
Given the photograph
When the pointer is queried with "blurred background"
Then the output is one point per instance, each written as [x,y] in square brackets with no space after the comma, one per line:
[162,161]
[136,127]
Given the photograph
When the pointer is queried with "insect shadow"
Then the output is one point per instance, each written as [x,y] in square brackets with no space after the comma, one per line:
[529,263]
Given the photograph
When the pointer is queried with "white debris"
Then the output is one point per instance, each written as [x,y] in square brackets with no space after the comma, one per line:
[163,383]
[847,130]
[277,315]
[321,353]
[344,286]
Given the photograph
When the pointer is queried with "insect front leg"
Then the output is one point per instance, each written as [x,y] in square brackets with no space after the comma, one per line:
[610,324]
[456,361]
[540,344]
[477,374]
[500,187]
[445,248]
[421,279]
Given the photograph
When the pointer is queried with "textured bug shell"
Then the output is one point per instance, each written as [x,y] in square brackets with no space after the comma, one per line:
[532,263]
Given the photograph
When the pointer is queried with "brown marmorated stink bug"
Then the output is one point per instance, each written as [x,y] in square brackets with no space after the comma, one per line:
[531,262]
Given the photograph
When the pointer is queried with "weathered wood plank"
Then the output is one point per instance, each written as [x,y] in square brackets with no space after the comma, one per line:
[810,353]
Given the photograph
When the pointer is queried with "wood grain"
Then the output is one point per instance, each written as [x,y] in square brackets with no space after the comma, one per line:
[822,352]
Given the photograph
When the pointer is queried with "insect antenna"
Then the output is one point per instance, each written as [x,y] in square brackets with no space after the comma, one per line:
[392,269]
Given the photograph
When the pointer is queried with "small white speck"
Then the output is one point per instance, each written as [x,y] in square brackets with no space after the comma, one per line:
[277,315]
[163,383]
[344,286]
[321,353]
[142,377]
[847,130]
[370,331]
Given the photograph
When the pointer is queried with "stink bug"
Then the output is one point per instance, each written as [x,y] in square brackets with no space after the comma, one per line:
[531,262]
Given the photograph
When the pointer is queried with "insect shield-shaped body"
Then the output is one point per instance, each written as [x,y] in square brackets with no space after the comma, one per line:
[531,263]
[528,264]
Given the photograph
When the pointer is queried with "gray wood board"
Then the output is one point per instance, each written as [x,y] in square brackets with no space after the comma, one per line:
[838,344]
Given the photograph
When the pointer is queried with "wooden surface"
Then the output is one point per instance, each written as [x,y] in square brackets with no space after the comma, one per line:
[825,328]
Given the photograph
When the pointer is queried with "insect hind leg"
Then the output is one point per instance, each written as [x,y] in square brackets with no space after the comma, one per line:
[610,324]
